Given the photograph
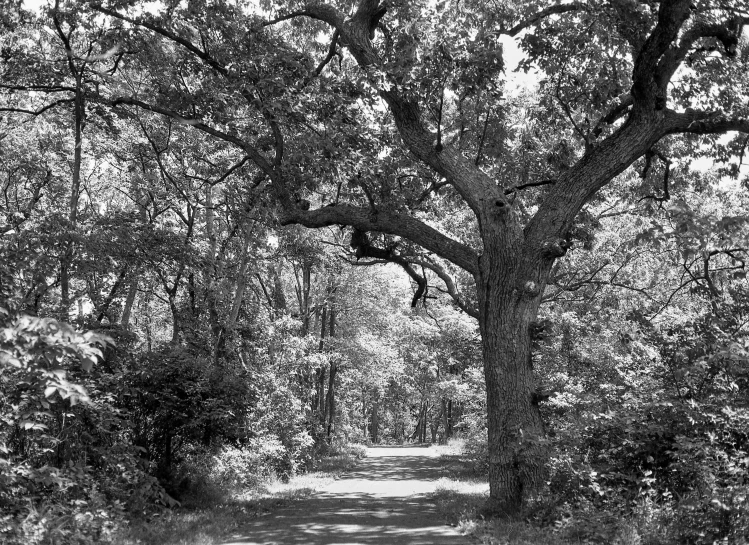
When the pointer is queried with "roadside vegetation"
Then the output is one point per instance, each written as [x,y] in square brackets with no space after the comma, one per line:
[226,496]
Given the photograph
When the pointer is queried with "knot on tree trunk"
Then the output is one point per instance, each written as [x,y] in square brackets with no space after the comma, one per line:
[531,288]
[540,396]
[557,248]
[540,330]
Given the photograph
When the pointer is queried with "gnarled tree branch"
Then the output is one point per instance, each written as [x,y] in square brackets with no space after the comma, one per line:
[385,221]
[361,245]
[541,15]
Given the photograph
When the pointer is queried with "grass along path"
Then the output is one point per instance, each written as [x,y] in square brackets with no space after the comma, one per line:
[381,499]
[209,519]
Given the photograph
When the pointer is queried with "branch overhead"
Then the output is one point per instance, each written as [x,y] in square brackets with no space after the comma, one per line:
[405,226]
[648,89]
[361,245]
[696,122]
[557,9]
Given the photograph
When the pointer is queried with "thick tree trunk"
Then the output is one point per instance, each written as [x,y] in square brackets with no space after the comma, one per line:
[509,300]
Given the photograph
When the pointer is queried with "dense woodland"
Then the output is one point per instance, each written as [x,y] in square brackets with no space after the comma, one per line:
[239,236]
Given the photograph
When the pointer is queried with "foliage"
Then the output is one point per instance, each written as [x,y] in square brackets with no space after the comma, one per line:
[60,478]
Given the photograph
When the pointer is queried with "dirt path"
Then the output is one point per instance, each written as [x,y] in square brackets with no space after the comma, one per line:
[381,501]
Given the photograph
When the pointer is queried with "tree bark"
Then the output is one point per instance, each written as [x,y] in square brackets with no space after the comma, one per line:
[446,421]
[79,121]
[332,372]
[240,288]
[423,424]
[67,257]
[320,373]
[510,285]
[175,319]
[112,293]
[129,301]
[374,429]
[279,297]
[209,280]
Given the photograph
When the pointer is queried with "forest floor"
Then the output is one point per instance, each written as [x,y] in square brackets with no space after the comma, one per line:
[396,495]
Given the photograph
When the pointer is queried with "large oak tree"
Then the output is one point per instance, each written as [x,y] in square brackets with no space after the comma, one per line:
[389,117]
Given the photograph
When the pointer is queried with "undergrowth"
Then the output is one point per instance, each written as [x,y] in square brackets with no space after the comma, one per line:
[569,515]
[212,511]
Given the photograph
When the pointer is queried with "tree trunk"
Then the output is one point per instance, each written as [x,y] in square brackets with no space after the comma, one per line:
[320,374]
[112,294]
[240,286]
[508,306]
[433,427]
[129,301]
[132,291]
[330,401]
[374,429]
[210,274]
[364,413]
[446,420]
[146,312]
[420,433]
[331,398]
[67,257]
[239,290]
[279,297]
[175,319]
[424,413]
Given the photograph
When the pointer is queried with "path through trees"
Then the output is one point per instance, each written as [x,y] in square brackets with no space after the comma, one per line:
[380,502]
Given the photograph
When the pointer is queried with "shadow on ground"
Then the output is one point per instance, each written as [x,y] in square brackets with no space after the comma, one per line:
[382,501]
[353,520]
[393,468]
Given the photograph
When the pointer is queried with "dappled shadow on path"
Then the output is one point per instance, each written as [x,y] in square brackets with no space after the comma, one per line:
[380,502]
[357,519]
[396,468]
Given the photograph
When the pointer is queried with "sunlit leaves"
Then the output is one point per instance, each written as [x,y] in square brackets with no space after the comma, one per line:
[43,349]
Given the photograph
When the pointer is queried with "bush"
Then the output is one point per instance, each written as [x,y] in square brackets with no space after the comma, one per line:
[54,483]
[475,439]
[676,469]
